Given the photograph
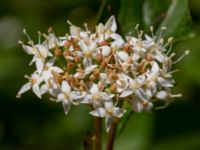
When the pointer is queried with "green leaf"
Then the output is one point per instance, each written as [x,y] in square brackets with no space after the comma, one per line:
[154,11]
[137,133]
[123,122]
[178,20]
[130,14]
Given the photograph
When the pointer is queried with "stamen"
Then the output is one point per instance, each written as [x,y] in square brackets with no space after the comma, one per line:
[161,32]
[172,55]
[39,38]
[21,42]
[173,71]
[181,57]
[168,42]
[164,106]
[69,22]
[175,95]
[25,33]
[86,27]
[152,30]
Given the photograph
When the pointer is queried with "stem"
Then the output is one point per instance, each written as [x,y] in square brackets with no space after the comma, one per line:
[111,136]
[98,133]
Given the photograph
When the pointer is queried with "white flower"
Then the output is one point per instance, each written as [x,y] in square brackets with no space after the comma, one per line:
[34,84]
[89,51]
[51,86]
[139,105]
[108,112]
[110,26]
[67,96]
[40,52]
[96,96]
[122,82]
[83,73]
[47,69]
[135,87]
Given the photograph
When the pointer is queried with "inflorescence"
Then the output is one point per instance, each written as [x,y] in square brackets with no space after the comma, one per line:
[103,70]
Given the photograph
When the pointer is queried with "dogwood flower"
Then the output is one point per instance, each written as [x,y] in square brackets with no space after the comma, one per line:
[101,68]
[109,112]
[34,84]
[67,96]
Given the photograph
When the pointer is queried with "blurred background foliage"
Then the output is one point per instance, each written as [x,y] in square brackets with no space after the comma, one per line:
[31,123]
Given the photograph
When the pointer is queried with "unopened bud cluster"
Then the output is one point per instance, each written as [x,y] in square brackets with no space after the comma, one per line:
[103,70]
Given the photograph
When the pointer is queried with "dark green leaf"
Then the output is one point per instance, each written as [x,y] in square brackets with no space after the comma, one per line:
[154,11]
[130,14]
[137,133]
[177,20]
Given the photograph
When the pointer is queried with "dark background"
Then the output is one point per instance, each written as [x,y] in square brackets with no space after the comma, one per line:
[31,123]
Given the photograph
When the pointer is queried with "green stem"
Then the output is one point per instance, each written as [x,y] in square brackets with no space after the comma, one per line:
[98,134]
[112,135]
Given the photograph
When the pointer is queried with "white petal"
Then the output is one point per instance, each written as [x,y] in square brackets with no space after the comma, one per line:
[148,38]
[39,65]
[141,94]
[105,50]
[65,87]
[108,104]
[56,69]
[24,88]
[123,55]
[100,29]
[111,24]
[164,83]
[44,89]
[126,93]
[36,90]
[89,69]
[50,62]
[106,96]
[162,95]
[77,95]
[87,62]
[86,99]
[66,106]
[74,30]
[94,89]
[118,112]
[137,106]
[43,50]
[28,49]
[100,112]
[155,68]
[108,122]
[61,97]
[148,106]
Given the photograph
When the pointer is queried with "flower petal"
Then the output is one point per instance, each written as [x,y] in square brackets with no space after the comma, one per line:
[24,88]
[126,93]
[162,95]
[65,87]
[36,90]
[111,24]
[164,83]
[66,106]
[108,122]
[118,112]
[94,89]
[123,55]
[100,112]
[39,65]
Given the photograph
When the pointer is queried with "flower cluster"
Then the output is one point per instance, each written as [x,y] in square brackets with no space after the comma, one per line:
[102,69]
